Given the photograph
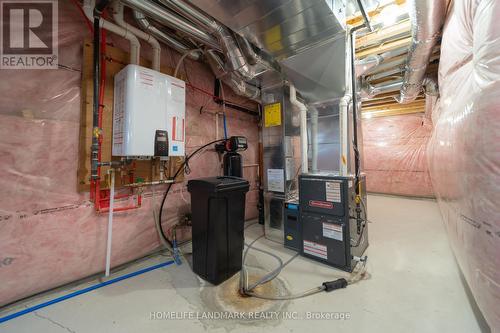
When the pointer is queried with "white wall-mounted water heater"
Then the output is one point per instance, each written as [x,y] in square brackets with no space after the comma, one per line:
[147,102]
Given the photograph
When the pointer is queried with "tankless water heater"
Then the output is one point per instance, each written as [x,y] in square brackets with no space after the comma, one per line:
[147,102]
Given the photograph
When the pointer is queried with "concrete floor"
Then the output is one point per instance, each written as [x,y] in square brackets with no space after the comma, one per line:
[414,285]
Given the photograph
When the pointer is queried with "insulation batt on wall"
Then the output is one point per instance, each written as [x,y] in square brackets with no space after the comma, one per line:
[50,233]
[464,151]
[395,155]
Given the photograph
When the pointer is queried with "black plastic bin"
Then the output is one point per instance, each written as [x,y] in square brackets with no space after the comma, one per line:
[218,214]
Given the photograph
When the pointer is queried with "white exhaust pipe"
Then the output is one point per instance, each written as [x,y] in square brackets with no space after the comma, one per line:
[135,45]
[117,8]
[303,127]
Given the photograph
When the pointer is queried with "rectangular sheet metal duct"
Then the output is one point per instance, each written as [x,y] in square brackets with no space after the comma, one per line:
[307,37]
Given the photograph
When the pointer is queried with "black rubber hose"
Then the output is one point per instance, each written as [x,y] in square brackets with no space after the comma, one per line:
[186,161]
[100,6]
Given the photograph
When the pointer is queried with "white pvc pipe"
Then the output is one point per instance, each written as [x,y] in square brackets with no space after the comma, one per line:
[344,128]
[303,127]
[155,45]
[135,45]
[314,139]
[110,221]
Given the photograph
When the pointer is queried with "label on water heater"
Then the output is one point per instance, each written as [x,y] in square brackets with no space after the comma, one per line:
[177,129]
[315,249]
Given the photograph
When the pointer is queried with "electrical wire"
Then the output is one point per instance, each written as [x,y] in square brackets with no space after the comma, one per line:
[186,161]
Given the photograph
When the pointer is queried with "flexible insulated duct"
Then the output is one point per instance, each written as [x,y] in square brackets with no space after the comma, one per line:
[369,91]
[237,63]
[427,17]
[237,84]
[236,60]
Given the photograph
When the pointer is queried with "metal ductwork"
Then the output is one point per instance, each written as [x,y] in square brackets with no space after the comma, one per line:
[236,60]
[427,17]
[306,37]
[369,91]
[260,64]
[237,84]
[235,72]
[372,62]
[164,16]
[144,24]
[431,86]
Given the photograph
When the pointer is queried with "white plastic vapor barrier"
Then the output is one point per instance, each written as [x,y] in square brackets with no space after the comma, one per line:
[464,151]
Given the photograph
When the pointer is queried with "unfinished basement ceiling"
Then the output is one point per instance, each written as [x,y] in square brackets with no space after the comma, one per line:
[393,32]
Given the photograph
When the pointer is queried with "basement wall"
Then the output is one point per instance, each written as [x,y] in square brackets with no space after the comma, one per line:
[464,151]
[395,155]
[49,233]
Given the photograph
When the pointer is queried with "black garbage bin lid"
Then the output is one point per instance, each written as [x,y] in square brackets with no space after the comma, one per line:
[218,184]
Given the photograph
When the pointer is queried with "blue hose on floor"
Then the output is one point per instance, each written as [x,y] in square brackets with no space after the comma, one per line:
[83,291]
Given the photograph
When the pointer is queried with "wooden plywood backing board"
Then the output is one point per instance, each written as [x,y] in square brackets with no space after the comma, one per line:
[138,170]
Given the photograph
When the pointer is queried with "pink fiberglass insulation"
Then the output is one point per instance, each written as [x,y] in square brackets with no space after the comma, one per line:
[49,233]
[464,151]
[395,159]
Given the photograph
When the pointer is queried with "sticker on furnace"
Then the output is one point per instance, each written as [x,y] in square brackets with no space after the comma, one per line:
[315,249]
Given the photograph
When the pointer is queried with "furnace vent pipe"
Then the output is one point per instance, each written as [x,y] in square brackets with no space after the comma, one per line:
[180,47]
[135,45]
[117,9]
[427,17]
[303,127]
[314,139]
[164,16]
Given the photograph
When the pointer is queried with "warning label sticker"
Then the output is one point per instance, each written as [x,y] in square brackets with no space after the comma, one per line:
[333,231]
[332,191]
[315,249]
[272,115]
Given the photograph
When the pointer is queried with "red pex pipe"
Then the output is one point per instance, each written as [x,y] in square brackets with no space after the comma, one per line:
[97,185]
